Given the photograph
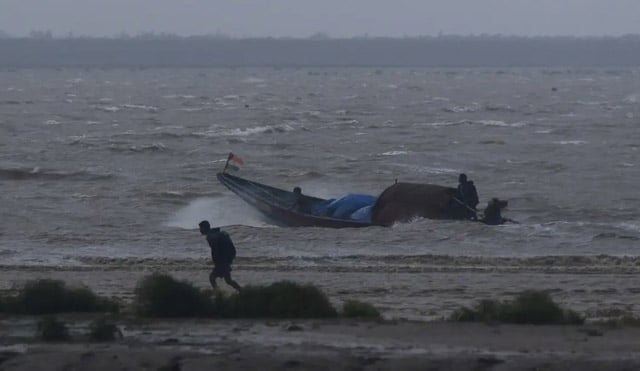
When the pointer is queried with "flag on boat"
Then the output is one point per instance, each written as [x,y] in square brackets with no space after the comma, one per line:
[233,158]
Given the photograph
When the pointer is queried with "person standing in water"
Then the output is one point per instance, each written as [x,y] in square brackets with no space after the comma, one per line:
[222,253]
[468,195]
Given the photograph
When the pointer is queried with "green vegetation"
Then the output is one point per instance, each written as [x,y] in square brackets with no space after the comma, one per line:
[160,295]
[359,309]
[47,296]
[531,307]
[282,299]
[50,329]
[102,330]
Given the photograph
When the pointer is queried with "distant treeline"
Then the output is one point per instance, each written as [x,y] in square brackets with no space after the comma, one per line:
[441,51]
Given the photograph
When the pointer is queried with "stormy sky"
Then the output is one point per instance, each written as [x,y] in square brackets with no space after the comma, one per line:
[337,18]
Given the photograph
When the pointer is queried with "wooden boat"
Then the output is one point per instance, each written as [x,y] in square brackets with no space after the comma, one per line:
[400,202]
[279,205]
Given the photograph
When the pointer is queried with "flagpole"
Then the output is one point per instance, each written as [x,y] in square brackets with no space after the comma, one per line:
[226,164]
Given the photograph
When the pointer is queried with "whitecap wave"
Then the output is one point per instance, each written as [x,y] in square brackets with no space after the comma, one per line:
[592,103]
[179,96]
[633,226]
[633,98]
[572,142]
[428,169]
[193,109]
[107,108]
[475,122]
[140,107]
[500,123]
[394,153]
[466,108]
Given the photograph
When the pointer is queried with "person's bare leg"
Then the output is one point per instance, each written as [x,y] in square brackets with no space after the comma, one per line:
[232,283]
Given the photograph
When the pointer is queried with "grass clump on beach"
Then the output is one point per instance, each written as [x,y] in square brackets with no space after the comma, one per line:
[359,309]
[51,329]
[46,296]
[282,299]
[529,307]
[160,295]
[103,330]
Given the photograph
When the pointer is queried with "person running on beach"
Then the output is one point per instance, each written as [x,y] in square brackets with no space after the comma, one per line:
[222,253]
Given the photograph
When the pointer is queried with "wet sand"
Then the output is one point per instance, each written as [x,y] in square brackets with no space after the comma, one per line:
[423,289]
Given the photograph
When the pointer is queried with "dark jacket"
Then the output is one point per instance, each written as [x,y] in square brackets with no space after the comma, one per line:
[222,249]
[468,194]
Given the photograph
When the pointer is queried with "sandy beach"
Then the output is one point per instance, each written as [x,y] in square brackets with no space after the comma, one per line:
[398,342]
[341,345]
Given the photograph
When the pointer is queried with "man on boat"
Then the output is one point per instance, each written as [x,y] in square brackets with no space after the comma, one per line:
[467,196]
[300,203]
[222,253]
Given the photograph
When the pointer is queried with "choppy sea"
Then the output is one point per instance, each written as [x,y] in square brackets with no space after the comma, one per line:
[117,166]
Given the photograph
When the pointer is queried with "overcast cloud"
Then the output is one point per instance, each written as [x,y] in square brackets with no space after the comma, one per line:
[337,18]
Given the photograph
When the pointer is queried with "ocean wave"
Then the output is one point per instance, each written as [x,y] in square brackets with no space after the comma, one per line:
[573,142]
[106,108]
[140,107]
[427,169]
[29,173]
[394,153]
[474,107]
[475,122]
[180,195]
[194,109]
[179,96]
[306,174]
[613,235]
[153,147]
[82,196]
[629,226]
[112,108]
[592,103]
[498,108]
[243,132]
[632,98]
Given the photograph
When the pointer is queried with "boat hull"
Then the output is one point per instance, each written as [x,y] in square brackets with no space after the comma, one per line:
[277,204]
